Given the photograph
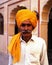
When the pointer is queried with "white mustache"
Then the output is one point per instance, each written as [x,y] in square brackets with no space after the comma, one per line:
[26,31]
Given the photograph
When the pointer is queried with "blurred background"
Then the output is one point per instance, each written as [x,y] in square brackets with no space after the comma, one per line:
[8,27]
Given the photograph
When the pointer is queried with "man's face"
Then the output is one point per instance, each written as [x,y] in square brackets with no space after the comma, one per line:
[26,28]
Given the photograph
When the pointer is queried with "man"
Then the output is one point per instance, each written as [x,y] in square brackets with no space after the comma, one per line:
[25,48]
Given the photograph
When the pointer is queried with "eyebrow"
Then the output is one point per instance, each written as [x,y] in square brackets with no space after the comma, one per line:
[26,24]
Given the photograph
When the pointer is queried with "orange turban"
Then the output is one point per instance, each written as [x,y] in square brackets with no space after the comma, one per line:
[25,14]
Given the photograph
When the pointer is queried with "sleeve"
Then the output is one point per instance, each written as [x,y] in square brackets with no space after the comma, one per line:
[44,57]
[10,60]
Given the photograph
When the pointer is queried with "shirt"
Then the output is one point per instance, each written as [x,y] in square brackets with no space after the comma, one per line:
[33,52]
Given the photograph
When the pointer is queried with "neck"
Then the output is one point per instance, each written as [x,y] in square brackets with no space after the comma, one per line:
[26,39]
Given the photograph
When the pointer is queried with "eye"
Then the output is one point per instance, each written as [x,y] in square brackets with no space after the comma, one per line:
[23,25]
[28,25]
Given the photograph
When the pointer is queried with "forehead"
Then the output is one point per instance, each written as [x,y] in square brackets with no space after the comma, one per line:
[26,21]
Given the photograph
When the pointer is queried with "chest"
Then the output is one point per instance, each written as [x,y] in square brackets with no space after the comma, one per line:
[31,48]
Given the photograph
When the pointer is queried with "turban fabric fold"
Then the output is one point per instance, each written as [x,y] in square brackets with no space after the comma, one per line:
[25,14]
[14,48]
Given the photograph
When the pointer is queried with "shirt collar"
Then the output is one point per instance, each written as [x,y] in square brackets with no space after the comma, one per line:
[32,38]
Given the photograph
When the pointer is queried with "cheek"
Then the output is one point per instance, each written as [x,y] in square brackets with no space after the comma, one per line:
[21,28]
[31,28]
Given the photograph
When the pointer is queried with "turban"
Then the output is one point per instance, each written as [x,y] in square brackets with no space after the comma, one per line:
[25,14]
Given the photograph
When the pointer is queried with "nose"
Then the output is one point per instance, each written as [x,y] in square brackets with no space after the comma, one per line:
[26,27]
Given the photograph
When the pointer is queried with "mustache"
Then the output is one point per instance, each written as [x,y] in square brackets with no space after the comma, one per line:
[26,31]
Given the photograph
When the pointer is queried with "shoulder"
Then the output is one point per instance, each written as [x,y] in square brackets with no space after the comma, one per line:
[15,36]
[39,39]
